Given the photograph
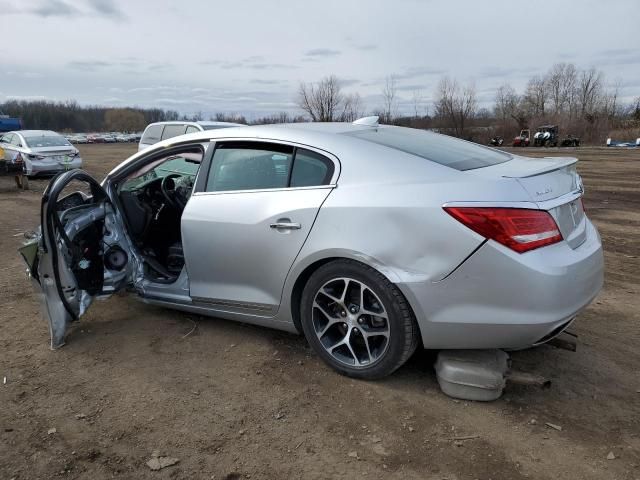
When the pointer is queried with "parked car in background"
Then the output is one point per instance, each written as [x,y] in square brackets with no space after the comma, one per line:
[95,138]
[370,239]
[623,143]
[42,152]
[156,132]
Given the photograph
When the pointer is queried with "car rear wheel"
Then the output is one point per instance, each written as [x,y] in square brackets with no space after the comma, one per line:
[357,320]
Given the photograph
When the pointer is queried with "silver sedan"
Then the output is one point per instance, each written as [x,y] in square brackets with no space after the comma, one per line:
[371,240]
[41,152]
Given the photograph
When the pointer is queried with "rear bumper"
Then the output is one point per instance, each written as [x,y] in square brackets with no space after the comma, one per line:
[502,299]
[45,167]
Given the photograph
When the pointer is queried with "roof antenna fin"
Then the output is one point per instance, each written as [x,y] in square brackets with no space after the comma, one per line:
[368,121]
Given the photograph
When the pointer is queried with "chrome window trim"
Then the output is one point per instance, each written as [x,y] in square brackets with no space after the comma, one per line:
[337,166]
[261,190]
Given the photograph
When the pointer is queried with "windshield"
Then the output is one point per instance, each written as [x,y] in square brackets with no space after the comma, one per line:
[46,141]
[448,151]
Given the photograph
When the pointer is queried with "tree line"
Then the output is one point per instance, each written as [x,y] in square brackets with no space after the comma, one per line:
[70,116]
[580,101]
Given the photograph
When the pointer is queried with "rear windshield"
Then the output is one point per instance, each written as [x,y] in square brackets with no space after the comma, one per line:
[152,134]
[215,127]
[448,151]
[46,141]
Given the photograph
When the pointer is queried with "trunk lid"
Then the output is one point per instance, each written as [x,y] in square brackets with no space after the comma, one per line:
[554,185]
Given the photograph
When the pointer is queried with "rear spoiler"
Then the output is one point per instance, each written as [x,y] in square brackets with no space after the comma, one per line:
[550,164]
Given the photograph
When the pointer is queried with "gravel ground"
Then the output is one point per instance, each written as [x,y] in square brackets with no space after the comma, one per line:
[233,401]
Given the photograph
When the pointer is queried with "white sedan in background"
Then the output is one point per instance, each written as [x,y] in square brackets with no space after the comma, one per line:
[42,152]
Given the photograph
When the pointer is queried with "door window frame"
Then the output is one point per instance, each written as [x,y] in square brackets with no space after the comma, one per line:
[206,167]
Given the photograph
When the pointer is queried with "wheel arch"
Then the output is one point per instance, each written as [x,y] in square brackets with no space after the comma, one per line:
[306,269]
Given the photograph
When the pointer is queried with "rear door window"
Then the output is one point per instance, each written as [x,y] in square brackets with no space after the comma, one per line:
[249,166]
[310,169]
[171,131]
[152,134]
[192,129]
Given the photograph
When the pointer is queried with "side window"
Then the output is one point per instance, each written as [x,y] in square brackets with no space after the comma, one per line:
[6,138]
[171,131]
[192,129]
[152,134]
[184,166]
[249,166]
[310,169]
[16,141]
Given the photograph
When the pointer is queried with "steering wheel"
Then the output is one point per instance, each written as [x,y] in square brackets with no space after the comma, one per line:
[168,189]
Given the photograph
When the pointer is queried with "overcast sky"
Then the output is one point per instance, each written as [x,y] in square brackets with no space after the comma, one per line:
[248,56]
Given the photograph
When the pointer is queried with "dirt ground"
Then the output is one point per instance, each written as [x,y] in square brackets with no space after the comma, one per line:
[233,401]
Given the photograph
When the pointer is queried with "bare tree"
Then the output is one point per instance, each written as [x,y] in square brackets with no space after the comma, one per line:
[611,107]
[535,96]
[417,100]
[589,91]
[352,108]
[561,86]
[455,105]
[321,100]
[506,105]
[389,91]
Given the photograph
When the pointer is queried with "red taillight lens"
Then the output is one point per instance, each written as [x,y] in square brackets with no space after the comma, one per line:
[519,229]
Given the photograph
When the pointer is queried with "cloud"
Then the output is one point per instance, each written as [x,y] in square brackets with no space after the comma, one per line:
[107,8]
[89,65]
[618,56]
[416,72]
[262,81]
[130,65]
[269,66]
[366,48]
[254,63]
[347,82]
[322,52]
[54,8]
[62,8]
[411,87]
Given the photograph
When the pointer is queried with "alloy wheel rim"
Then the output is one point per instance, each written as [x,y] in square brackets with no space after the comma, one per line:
[351,322]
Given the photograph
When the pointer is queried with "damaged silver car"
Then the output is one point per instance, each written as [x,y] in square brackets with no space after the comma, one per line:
[371,240]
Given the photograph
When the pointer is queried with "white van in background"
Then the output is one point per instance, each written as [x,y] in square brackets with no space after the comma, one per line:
[158,131]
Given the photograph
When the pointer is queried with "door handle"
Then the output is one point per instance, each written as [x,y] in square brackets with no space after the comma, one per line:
[286,225]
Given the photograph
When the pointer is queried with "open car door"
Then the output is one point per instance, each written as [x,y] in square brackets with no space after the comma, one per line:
[80,253]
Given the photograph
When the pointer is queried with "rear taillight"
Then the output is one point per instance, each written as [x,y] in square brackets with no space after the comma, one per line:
[519,229]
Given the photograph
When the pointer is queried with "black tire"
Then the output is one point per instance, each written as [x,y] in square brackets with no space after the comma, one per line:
[403,329]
